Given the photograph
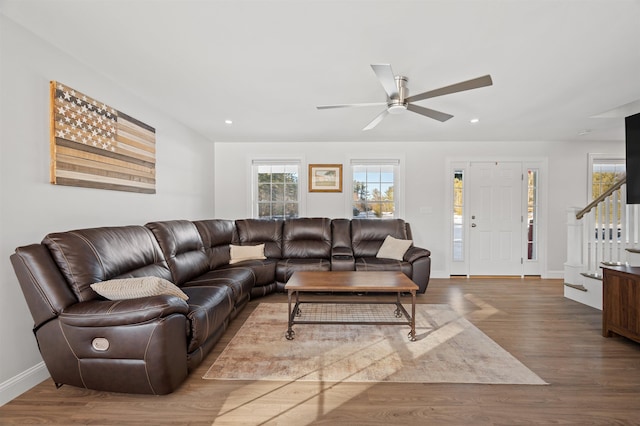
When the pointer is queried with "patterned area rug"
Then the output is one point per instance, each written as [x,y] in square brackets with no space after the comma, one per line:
[448,349]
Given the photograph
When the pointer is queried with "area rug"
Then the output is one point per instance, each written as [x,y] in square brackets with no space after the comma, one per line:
[448,349]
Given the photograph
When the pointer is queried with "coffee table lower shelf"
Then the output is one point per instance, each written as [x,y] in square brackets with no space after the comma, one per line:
[348,313]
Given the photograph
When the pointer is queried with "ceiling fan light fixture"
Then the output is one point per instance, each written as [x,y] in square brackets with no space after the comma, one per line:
[396,108]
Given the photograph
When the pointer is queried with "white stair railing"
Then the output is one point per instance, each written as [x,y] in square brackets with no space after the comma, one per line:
[609,229]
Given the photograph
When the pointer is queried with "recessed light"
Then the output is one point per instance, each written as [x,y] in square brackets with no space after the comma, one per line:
[474,120]
[228,122]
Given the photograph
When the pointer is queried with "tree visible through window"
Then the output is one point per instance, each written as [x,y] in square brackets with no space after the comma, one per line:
[605,173]
[374,190]
[278,190]
[532,214]
[458,215]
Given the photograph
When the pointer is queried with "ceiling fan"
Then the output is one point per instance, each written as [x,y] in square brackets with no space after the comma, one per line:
[398,99]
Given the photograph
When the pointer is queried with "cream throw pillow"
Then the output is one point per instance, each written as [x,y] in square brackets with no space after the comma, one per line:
[393,248]
[134,288]
[240,253]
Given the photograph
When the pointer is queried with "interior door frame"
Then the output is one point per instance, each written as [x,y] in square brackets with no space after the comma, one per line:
[537,267]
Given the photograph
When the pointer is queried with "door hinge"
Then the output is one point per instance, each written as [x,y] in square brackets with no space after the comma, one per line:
[522,261]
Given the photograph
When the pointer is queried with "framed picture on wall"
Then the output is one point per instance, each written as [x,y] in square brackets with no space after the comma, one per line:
[325,177]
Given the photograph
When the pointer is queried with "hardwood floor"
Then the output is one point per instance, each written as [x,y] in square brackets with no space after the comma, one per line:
[592,380]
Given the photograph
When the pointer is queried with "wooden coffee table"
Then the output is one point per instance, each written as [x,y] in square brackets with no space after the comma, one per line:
[350,282]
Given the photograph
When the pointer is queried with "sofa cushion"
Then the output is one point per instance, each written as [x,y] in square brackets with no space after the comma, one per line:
[381,264]
[393,248]
[209,309]
[240,280]
[242,253]
[306,238]
[286,267]
[134,288]
[217,235]
[367,235]
[183,249]
[87,256]
[264,271]
[257,231]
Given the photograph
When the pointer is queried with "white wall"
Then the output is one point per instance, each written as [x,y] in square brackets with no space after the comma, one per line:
[426,183]
[30,207]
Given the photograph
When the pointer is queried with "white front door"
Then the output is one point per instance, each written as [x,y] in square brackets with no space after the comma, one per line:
[495,218]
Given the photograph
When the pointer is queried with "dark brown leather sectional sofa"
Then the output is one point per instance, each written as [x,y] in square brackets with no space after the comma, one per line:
[153,342]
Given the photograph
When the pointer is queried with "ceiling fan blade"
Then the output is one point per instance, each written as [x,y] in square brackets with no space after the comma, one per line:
[376,120]
[351,105]
[387,79]
[431,113]
[474,83]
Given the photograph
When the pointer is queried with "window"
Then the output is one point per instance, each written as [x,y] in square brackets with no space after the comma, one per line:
[276,189]
[458,216]
[375,188]
[605,172]
[532,214]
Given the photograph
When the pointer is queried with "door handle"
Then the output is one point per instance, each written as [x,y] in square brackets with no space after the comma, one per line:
[473,225]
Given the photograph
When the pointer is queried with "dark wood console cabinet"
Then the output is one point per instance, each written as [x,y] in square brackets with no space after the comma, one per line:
[621,302]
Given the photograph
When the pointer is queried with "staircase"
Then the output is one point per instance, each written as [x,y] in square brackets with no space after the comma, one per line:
[606,232]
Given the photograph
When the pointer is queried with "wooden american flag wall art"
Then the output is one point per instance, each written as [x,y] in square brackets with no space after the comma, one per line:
[96,146]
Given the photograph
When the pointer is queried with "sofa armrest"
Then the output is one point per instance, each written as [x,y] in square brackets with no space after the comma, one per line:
[105,313]
[415,253]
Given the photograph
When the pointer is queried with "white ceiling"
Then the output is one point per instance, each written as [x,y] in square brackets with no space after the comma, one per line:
[267,64]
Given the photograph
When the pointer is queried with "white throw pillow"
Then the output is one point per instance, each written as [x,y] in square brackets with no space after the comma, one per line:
[393,248]
[134,288]
[240,253]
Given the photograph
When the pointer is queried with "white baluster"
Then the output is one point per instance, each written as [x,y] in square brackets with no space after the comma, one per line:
[605,256]
[590,230]
[613,230]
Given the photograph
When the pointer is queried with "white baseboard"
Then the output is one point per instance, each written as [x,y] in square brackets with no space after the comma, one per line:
[551,275]
[439,274]
[546,275]
[21,383]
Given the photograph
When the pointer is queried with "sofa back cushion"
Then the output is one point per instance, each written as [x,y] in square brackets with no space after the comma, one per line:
[87,256]
[304,238]
[258,231]
[217,235]
[341,234]
[367,235]
[182,247]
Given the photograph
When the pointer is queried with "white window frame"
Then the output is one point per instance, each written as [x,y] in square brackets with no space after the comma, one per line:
[302,181]
[398,181]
